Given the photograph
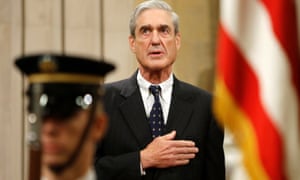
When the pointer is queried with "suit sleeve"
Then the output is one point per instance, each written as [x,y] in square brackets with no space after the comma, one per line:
[116,167]
[215,162]
[107,165]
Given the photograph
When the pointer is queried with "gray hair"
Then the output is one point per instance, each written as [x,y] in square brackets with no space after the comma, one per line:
[152,4]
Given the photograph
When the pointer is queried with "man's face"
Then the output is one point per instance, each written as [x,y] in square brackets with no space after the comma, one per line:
[155,43]
[60,138]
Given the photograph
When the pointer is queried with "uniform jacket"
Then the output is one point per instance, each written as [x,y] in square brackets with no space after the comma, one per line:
[190,115]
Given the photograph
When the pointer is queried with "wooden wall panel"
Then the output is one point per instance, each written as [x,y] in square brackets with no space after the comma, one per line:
[116,32]
[196,60]
[82,28]
[11,145]
[42,26]
[43,33]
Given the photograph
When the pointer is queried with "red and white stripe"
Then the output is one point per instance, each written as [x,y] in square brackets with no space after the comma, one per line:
[258,84]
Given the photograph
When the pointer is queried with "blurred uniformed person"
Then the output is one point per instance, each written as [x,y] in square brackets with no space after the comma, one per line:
[65,114]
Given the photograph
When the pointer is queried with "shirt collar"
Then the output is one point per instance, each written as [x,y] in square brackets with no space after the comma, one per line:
[165,86]
[90,175]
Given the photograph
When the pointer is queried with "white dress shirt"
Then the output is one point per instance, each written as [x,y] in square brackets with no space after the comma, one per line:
[165,95]
[90,175]
[148,99]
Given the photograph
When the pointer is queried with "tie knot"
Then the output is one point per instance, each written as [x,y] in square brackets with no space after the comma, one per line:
[154,89]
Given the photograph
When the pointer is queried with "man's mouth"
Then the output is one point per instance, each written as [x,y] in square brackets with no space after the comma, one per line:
[155,53]
[51,148]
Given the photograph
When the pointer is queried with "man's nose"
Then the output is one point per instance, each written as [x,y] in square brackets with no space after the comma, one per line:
[155,38]
[50,125]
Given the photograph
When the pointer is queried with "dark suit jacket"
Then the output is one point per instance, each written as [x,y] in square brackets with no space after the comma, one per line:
[190,115]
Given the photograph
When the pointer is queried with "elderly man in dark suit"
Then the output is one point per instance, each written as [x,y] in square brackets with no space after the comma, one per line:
[160,127]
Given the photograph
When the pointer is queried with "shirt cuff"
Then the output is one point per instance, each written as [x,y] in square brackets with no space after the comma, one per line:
[143,172]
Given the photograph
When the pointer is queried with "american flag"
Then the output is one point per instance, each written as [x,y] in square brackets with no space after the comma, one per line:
[257,87]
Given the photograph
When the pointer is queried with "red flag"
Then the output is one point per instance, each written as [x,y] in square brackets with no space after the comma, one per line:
[257,92]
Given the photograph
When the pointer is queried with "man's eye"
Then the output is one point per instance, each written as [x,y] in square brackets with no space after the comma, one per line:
[165,31]
[145,31]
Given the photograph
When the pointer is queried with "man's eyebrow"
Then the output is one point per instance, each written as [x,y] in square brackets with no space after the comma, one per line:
[164,26]
[147,26]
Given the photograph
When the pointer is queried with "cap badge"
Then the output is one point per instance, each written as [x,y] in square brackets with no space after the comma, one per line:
[47,65]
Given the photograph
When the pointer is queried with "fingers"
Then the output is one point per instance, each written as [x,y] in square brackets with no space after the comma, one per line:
[182,143]
[172,135]
[185,156]
[181,159]
[169,136]
[178,143]
[185,150]
[168,144]
[176,157]
[182,153]
[180,162]
[165,151]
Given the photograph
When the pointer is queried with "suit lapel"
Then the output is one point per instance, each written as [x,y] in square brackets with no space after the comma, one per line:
[133,112]
[180,110]
[132,109]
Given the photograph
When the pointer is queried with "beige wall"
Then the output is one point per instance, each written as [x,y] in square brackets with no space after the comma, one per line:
[81,35]
[43,33]
[11,146]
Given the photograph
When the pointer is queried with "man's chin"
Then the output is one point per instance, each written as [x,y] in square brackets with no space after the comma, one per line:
[56,168]
[51,161]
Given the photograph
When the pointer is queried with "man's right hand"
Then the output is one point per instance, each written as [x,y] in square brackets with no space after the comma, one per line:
[165,152]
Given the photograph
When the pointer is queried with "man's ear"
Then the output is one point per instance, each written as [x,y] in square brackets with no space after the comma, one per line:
[178,40]
[131,41]
[100,126]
